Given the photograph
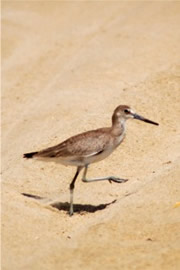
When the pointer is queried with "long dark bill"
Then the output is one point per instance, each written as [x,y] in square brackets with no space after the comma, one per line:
[139,117]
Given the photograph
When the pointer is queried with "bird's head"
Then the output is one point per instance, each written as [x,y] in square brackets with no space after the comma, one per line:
[124,112]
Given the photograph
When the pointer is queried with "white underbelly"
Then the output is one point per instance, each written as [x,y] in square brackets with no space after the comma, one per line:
[99,157]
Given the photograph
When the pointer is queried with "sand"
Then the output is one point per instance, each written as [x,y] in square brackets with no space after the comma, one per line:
[65,67]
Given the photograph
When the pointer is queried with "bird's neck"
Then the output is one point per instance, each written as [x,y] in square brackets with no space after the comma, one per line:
[118,126]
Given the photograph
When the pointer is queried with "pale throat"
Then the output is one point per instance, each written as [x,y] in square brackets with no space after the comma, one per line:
[118,127]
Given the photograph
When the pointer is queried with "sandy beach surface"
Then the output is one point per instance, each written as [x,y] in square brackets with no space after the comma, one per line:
[66,65]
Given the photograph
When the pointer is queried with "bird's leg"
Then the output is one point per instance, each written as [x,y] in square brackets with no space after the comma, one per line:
[109,178]
[71,187]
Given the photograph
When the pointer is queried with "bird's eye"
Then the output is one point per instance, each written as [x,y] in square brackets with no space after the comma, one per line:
[126,111]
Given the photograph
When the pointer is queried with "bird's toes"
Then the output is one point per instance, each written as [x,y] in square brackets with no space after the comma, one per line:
[117,180]
[123,180]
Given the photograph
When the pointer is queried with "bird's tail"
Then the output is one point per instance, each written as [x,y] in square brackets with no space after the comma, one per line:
[29,155]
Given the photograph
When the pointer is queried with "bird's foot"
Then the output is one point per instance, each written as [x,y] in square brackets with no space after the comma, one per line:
[71,213]
[117,180]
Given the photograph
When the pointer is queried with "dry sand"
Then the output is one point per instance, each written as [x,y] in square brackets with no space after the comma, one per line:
[65,67]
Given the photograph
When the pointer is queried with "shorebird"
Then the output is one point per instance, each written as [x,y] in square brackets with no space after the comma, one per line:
[92,146]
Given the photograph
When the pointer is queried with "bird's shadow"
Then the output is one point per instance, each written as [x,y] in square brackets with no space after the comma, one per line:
[78,208]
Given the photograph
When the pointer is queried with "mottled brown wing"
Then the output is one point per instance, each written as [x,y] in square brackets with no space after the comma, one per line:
[84,144]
